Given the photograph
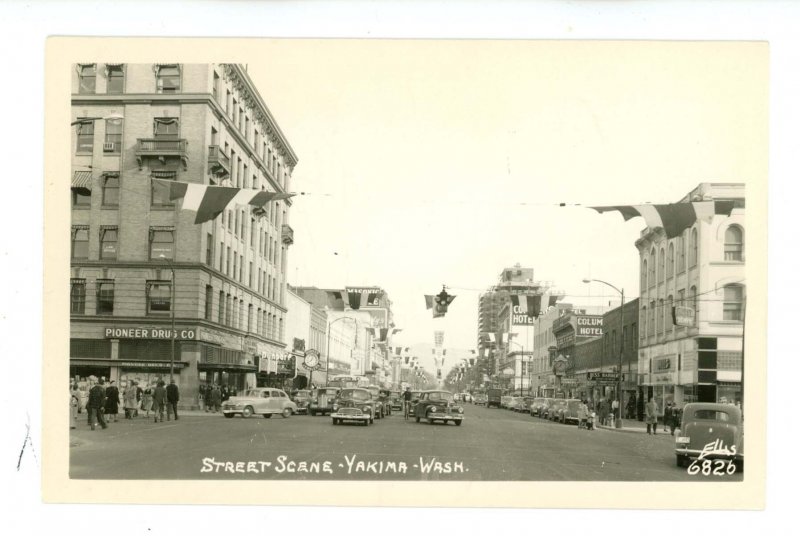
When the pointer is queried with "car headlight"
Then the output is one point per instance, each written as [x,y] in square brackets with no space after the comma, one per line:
[433,408]
[335,407]
[461,410]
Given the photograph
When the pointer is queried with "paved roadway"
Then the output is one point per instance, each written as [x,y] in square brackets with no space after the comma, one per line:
[491,445]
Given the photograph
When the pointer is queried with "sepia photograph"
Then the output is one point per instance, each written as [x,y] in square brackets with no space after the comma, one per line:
[333,262]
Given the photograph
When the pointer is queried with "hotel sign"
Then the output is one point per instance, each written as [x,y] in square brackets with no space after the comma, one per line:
[683,316]
[589,326]
[519,316]
[150,333]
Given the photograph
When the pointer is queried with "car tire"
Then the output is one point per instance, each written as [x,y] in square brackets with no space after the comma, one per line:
[268,415]
[417,418]
[247,412]
[312,413]
[680,460]
[228,415]
[286,413]
[335,422]
[458,423]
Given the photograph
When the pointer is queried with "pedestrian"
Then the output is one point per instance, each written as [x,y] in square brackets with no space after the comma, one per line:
[147,400]
[614,411]
[651,415]
[224,392]
[675,422]
[216,398]
[95,405]
[631,407]
[74,404]
[172,399]
[604,412]
[112,401]
[159,401]
[201,395]
[139,394]
[130,400]
[583,414]
[667,415]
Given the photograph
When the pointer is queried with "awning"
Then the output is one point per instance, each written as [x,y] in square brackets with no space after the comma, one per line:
[82,182]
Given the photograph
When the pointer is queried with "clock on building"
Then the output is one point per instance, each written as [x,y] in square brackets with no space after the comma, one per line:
[311,360]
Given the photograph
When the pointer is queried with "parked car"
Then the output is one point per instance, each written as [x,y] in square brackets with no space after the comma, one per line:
[354,404]
[505,400]
[467,397]
[479,399]
[494,398]
[321,401]
[526,404]
[568,413]
[515,403]
[554,409]
[396,400]
[539,406]
[265,401]
[438,406]
[710,431]
[381,398]
[302,398]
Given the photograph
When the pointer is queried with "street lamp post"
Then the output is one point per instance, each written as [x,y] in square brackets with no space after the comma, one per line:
[172,314]
[617,419]
[84,120]
[328,345]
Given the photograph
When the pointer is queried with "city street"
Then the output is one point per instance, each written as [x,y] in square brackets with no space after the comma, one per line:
[492,444]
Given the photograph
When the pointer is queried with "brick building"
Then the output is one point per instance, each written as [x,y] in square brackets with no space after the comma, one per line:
[138,261]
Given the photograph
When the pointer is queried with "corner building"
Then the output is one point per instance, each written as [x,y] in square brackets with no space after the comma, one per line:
[703,273]
[137,261]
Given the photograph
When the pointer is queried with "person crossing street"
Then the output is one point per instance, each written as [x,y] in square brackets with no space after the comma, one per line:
[173,395]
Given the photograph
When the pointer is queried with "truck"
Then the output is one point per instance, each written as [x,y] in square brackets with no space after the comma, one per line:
[493,397]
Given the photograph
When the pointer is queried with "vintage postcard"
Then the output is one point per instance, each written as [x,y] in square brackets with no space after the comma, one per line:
[406,272]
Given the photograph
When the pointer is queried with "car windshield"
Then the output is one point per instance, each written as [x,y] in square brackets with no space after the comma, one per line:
[254,392]
[559,403]
[573,404]
[355,394]
[440,396]
[711,415]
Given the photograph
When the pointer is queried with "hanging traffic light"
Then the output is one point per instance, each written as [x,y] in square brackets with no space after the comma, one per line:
[442,300]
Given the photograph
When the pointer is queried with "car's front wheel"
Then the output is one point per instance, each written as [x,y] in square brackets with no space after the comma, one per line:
[247,412]
[286,413]
[335,421]
[458,423]
[228,415]
[268,415]
[680,460]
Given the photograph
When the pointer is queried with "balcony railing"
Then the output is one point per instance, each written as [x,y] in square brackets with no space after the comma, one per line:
[161,148]
[218,162]
[287,234]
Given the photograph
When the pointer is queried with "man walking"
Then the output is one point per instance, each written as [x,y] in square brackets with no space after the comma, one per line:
[675,421]
[172,399]
[216,398]
[667,415]
[95,405]
[159,401]
[651,415]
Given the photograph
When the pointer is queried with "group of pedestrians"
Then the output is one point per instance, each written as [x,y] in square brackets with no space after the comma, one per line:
[212,396]
[104,401]
[585,416]
[672,416]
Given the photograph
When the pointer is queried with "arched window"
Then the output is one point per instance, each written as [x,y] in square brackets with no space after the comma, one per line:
[693,249]
[693,303]
[734,243]
[644,274]
[733,303]
[651,321]
[670,260]
[652,274]
[661,263]
[643,322]
[680,242]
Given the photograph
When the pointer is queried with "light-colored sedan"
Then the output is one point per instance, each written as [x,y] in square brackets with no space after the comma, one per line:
[266,401]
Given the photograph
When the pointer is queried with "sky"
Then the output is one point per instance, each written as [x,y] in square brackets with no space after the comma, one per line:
[431,163]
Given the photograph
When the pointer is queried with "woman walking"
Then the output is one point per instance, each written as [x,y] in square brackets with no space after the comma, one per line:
[112,401]
[74,404]
[147,400]
[130,400]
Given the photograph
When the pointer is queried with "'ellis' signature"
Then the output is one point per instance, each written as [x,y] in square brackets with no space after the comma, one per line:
[717,448]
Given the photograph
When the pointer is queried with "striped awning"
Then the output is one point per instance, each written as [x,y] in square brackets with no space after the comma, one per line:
[82,182]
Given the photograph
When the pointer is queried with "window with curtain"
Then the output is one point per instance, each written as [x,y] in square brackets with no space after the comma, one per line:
[159,296]
[734,243]
[81,199]
[87,78]
[105,296]
[80,242]
[733,303]
[116,79]
[168,79]
[77,296]
[166,127]
[111,190]
[108,243]
[85,130]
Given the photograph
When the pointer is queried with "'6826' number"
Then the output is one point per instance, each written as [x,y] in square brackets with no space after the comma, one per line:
[712,467]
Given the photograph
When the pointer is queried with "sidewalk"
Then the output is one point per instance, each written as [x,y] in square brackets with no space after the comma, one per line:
[636,427]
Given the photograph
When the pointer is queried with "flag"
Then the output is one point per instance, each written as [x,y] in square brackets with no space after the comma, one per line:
[383,332]
[396,330]
[335,299]
[531,304]
[472,352]
[674,218]
[492,337]
[471,361]
[371,331]
[397,351]
[209,201]
[428,301]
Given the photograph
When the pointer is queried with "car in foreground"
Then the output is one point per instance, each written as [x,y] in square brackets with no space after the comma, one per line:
[302,398]
[711,432]
[354,405]
[321,401]
[438,406]
[266,401]
[479,399]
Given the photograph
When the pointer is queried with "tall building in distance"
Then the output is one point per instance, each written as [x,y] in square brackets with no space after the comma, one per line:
[139,263]
[696,353]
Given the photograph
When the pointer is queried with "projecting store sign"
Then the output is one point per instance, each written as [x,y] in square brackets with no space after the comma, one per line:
[683,316]
[589,326]
[519,316]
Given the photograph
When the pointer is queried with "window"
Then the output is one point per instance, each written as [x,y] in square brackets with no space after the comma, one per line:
[241,268]
[166,127]
[250,317]
[159,296]
[734,245]
[651,275]
[246,128]
[209,302]
[250,275]
[221,256]
[111,190]
[651,321]
[80,242]
[88,78]
[113,140]
[668,312]
[81,199]
[259,321]
[733,301]
[228,307]
[77,296]
[643,321]
[215,87]
[227,101]
[643,283]
[105,297]
[168,79]
[162,243]
[236,224]
[160,192]
[693,249]
[244,177]
[252,232]
[85,136]
[661,316]
[235,112]
[228,261]
[234,266]
[233,166]
[108,243]
[209,252]
[670,261]
[221,318]
[236,312]
[116,79]
[661,265]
